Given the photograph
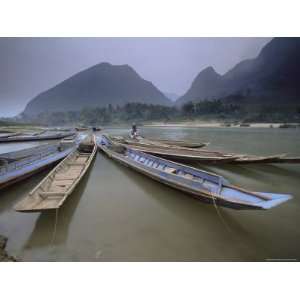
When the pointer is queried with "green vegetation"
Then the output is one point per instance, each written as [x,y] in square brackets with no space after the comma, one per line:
[131,112]
[229,109]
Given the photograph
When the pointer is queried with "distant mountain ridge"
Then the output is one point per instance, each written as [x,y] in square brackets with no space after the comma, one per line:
[97,86]
[274,74]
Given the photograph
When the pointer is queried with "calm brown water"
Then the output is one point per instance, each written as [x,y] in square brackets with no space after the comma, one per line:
[116,214]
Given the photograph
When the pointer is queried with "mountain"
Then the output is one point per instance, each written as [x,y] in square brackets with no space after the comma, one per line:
[273,75]
[172,96]
[97,86]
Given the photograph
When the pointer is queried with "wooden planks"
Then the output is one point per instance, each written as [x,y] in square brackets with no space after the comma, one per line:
[60,182]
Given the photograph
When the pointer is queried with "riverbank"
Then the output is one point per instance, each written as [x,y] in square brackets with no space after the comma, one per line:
[196,124]
[4,256]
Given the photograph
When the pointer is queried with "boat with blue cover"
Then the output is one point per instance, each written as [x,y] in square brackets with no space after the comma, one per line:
[18,165]
[208,187]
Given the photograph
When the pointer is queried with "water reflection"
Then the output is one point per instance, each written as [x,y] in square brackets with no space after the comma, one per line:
[207,223]
[11,194]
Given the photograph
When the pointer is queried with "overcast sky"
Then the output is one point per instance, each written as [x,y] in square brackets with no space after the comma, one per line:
[29,66]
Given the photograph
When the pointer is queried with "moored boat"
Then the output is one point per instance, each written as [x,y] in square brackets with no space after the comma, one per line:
[252,159]
[179,143]
[54,189]
[159,142]
[274,159]
[23,153]
[185,154]
[181,154]
[17,170]
[35,137]
[81,129]
[208,187]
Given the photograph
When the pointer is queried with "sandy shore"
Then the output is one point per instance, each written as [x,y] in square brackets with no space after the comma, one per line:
[3,254]
[211,124]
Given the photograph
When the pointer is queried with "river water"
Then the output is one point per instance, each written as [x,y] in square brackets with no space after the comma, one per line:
[116,214]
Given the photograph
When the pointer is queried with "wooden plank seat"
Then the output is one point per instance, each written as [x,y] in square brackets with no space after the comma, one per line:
[65,177]
[62,182]
[81,160]
[76,164]
[51,194]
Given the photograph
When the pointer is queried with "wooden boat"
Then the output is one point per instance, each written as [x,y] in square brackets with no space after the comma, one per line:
[23,153]
[275,159]
[287,160]
[185,154]
[35,137]
[182,154]
[287,125]
[208,187]
[158,142]
[81,128]
[9,134]
[185,144]
[251,159]
[54,189]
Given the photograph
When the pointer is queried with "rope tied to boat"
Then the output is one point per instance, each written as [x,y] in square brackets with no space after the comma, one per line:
[219,213]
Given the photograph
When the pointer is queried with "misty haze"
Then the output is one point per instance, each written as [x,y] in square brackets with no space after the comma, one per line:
[149,149]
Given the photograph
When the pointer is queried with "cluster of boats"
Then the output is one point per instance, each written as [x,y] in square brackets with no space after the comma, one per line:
[156,159]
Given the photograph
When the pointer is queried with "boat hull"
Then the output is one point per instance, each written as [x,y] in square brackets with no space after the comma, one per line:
[203,197]
[34,138]
[180,156]
[207,187]
[28,171]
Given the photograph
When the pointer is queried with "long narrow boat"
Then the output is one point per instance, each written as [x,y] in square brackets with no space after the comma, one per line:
[23,153]
[185,155]
[185,144]
[16,171]
[158,142]
[287,160]
[10,134]
[35,137]
[35,160]
[274,159]
[54,189]
[181,154]
[208,187]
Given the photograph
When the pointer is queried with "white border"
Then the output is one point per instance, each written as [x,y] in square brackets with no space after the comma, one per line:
[149,280]
[169,18]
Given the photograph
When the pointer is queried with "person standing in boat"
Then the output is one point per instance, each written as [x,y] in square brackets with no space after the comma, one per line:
[134,133]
